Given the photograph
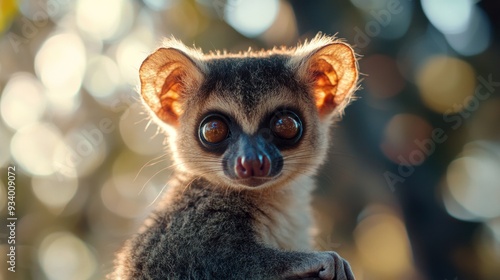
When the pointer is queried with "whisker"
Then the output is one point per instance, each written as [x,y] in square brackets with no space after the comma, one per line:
[159,194]
[149,180]
[150,163]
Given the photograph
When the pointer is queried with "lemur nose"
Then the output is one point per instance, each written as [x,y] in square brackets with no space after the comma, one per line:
[253,166]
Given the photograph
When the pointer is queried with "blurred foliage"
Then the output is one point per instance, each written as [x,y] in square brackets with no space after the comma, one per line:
[411,189]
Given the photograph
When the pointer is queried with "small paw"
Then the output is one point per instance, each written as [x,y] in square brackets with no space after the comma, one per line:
[324,266]
[337,269]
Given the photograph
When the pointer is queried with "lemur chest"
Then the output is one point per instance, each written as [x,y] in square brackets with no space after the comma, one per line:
[284,218]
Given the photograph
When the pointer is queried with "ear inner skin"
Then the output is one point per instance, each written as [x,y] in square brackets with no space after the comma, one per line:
[169,94]
[167,76]
[325,86]
[333,74]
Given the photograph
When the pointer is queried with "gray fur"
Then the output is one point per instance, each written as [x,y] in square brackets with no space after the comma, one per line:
[209,235]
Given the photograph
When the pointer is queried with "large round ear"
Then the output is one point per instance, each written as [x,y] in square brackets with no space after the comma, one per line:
[167,76]
[332,73]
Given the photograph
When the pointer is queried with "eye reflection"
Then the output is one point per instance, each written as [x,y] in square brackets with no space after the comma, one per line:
[286,126]
[214,130]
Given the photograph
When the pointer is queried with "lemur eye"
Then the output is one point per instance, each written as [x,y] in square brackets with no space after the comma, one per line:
[286,125]
[213,129]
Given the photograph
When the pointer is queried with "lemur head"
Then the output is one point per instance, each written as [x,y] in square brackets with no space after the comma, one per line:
[249,120]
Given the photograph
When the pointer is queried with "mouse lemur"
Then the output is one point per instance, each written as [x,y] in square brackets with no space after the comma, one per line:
[246,132]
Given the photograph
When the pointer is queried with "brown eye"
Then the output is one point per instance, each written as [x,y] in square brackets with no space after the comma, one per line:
[213,130]
[286,125]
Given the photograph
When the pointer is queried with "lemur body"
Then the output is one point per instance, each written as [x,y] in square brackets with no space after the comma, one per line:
[247,132]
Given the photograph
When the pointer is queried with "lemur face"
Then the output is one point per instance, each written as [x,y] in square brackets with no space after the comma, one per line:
[255,123]
[253,120]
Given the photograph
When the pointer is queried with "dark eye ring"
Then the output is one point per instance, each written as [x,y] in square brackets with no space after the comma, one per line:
[286,125]
[213,129]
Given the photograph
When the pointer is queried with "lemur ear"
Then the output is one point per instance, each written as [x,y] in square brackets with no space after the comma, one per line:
[332,73]
[167,76]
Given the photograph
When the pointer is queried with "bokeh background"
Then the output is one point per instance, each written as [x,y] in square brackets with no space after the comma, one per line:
[411,189]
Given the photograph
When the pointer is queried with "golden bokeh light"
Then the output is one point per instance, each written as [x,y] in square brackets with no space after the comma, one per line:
[113,18]
[251,18]
[83,149]
[33,146]
[64,256]
[383,244]
[60,68]
[445,83]
[8,10]
[125,200]
[55,191]
[102,77]
[130,54]
[473,180]
[137,134]
[23,93]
